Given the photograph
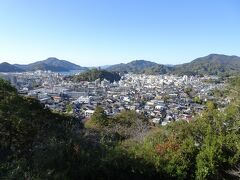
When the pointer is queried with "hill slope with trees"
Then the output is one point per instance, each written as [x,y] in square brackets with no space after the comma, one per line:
[133,66]
[6,67]
[94,74]
[52,64]
[213,64]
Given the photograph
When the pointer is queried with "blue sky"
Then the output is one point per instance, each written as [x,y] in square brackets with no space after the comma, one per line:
[100,32]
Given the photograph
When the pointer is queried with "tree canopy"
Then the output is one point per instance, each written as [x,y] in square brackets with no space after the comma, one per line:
[94,74]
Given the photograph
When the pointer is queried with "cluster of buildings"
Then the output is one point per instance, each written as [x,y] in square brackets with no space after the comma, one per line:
[161,98]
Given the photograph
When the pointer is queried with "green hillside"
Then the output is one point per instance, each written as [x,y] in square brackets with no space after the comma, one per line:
[133,66]
[52,64]
[213,64]
[6,67]
[33,140]
[157,69]
[93,74]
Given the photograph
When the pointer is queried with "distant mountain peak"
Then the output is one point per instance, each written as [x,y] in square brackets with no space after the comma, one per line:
[52,59]
[6,67]
[134,66]
[52,64]
[214,55]
[5,63]
[139,61]
[212,64]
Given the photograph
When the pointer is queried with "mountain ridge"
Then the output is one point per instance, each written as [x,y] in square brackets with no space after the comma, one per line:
[6,67]
[52,64]
[133,66]
[212,64]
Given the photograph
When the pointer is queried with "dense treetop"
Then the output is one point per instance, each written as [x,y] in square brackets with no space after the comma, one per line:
[94,74]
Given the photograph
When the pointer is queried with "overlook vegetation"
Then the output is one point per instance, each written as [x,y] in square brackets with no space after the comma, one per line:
[38,144]
[94,74]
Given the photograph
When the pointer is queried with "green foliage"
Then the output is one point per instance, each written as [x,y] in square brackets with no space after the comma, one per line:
[188,91]
[6,89]
[209,158]
[202,149]
[220,93]
[69,108]
[94,74]
[127,118]
[129,124]
[28,133]
[211,106]
[158,69]
[197,100]
[125,125]
[99,117]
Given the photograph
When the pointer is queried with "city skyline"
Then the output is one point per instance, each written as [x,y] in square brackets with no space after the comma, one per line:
[98,33]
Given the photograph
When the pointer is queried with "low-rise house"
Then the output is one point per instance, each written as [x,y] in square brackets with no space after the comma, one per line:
[84,99]
[88,113]
[156,120]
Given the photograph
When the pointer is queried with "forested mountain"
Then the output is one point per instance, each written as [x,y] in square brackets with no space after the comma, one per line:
[52,64]
[38,144]
[6,67]
[133,66]
[93,74]
[213,64]
[157,69]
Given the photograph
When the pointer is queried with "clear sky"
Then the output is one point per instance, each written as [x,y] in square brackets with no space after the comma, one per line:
[101,32]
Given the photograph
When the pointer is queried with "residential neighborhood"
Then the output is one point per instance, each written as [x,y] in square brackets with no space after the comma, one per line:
[161,98]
